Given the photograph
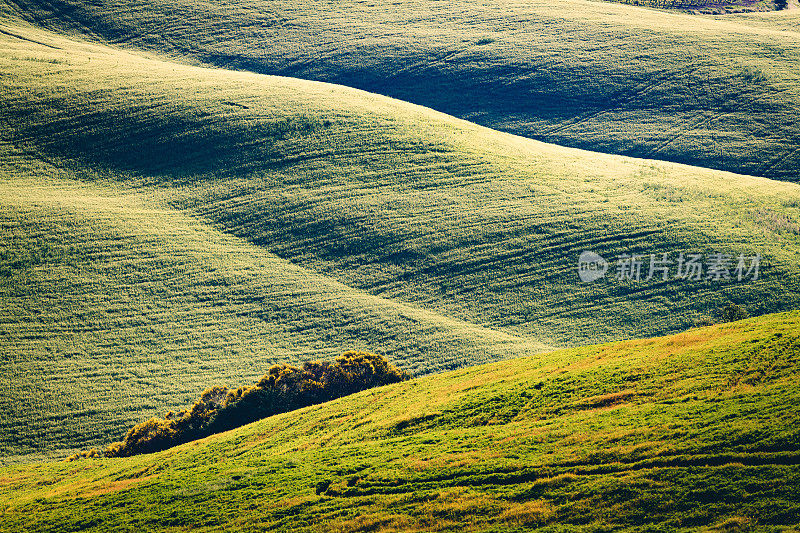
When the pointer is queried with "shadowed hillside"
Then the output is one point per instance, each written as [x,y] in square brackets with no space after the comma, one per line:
[112,310]
[184,222]
[169,226]
[687,432]
[401,201]
[711,7]
[613,78]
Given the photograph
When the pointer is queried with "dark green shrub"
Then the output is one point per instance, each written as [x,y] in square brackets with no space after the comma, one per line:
[733,312]
[283,388]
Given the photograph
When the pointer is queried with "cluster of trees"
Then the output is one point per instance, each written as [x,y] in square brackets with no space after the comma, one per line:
[282,389]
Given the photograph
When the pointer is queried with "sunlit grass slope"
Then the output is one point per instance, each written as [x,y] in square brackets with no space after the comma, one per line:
[411,233]
[681,432]
[713,7]
[720,93]
[112,310]
[398,200]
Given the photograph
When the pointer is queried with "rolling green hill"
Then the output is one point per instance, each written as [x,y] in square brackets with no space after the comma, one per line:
[692,432]
[720,93]
[166,227]
[711,7]
[112,309]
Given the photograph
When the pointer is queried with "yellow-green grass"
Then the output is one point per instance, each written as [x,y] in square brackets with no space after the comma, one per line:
[720,93]
[683,432]
[398,200]
[711,7]
[113,309]
[412,233]
[786,21]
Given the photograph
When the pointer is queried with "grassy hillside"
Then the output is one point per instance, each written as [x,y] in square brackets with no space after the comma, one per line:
[787,21]
[113,309]
[712,7]
[719,93]
[398,200]
[686,432]
[130,184]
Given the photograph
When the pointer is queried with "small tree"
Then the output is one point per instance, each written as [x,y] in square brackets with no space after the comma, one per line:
[733,312]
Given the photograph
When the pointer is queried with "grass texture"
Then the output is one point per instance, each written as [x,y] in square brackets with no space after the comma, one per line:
[690,432]
[715,92]
[168,227]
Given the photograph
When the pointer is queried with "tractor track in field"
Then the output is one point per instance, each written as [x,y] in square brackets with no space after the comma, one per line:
[578,468]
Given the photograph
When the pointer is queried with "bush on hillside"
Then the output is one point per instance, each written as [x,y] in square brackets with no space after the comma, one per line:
[733,312]
[286,387]
[283,388]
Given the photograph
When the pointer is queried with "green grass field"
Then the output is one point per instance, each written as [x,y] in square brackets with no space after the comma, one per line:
[357,221]
[113,309]
[714,92]
[689,432]
[191,192]
[711,7]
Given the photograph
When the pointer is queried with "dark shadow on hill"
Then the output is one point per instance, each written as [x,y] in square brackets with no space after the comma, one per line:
[673,97]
